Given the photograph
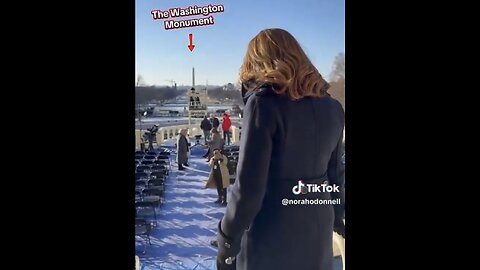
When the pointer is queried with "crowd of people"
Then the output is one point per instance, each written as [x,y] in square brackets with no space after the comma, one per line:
[219,175]
[210,127]
[213,140]
[210,123]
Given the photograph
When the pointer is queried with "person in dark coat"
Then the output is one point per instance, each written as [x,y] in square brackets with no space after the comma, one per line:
[215,121]
[182,150]
[292,131]
[206,126]
[216,143]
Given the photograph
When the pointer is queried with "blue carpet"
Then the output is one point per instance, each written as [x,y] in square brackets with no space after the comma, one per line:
[187,222]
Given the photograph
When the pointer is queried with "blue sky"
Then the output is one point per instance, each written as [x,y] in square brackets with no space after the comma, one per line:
[161,55]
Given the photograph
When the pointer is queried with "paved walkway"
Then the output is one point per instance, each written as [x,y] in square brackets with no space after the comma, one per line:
[187,221]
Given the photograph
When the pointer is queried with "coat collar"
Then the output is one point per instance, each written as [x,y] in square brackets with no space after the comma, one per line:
[246,94]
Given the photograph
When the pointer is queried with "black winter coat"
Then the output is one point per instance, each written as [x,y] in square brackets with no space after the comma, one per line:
[284,141]
[206,125]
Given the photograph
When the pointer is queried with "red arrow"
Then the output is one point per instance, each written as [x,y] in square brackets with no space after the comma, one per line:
[190,46]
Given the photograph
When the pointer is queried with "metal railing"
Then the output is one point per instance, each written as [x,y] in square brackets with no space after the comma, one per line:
[171,132]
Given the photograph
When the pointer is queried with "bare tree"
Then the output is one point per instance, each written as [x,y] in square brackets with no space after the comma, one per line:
[229,87]
[155,94]
[337,79]
[140,81]
[338,70]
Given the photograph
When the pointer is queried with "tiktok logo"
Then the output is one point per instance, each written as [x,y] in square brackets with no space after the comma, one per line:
[300,188]
[306,188]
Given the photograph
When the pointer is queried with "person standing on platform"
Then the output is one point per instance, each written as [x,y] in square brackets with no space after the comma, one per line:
[182,150]
[291,137]
[215,121]
[206,126]
[216,143]
[219,177]
[226,124]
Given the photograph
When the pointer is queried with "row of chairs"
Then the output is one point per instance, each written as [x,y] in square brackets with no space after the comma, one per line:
[151,171]
[161,152]
[151,168]
[148,161]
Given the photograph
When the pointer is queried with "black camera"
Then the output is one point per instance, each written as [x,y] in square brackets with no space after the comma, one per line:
[150,136]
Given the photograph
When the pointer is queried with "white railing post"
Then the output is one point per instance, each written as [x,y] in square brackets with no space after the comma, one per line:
[160,136]
[235,134]
[138,139]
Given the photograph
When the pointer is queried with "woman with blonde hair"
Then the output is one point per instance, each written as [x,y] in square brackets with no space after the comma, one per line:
[291,139]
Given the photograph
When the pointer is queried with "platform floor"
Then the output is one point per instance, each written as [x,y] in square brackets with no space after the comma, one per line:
[187,222]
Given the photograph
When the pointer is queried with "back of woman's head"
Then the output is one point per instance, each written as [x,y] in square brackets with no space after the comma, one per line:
[275,57]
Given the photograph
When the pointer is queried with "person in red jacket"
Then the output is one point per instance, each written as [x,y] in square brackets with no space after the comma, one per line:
[226,124]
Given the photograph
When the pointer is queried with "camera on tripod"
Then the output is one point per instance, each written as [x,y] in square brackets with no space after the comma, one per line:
[151,136]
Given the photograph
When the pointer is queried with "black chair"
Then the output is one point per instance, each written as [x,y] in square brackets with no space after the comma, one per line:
[142,230]
[139,189]
[161,168]
[150,157]
[141,175]
[157,168]
[152,153]
[161,162]
[143,168]
[166,159]
[153,195]
[147,162]
[159,174]
[146,208]
[141,183]
[156,183]
[138,195]
[166,168]
[232,167]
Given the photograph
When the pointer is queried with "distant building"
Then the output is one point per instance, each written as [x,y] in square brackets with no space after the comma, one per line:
[229,87]
[197,103]
[236,110]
